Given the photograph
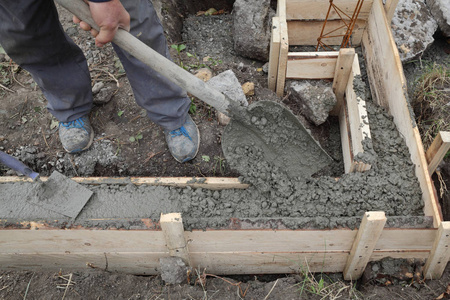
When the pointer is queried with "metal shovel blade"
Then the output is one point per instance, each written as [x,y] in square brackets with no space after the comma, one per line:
[277,136]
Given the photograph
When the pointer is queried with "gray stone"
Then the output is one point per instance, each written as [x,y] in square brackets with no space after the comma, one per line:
[228,84]
[104,95]
[413,27]
[252,25]
[316,99]
[173,270]
[440,9]
[97,87]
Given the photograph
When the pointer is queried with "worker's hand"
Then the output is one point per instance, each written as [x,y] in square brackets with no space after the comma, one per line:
[109,16]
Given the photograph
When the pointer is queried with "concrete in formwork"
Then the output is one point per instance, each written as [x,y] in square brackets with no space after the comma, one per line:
[413,28]
[324,202]
[251,26]
[440,9]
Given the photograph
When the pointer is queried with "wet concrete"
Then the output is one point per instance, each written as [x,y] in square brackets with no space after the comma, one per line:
[298,202]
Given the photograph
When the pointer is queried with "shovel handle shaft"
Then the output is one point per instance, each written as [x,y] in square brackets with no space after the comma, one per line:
[153,59]
[17,165]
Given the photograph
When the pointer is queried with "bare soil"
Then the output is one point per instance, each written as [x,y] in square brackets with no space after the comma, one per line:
[30,133]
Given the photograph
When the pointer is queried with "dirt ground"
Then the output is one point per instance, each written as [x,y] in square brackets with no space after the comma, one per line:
[128,144]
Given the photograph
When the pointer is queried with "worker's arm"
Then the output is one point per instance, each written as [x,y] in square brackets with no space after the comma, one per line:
[109,15]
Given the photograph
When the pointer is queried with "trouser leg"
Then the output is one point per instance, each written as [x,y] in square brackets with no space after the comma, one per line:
[32,36]
[166,103]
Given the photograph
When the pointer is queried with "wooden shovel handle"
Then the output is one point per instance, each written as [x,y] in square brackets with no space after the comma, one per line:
[153,59]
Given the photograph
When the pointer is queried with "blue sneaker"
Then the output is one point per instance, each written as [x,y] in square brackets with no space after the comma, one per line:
[76,135]
[183,142]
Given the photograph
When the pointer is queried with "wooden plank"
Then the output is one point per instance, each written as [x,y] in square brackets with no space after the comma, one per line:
[311,65]
[341,76]
[281,10]
[437,151]
[27,241]
[347,153]
[389,8]
[368,233]
[229,263]
[275,40]
[388,86]
[283,57]
[317,9]
[306,33]
[212,183]
[172,227]
[440,253]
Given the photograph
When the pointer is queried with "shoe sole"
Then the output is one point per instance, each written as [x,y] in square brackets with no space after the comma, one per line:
[91,139]
[198,148]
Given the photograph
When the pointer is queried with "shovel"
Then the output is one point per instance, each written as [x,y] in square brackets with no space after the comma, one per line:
[267,125]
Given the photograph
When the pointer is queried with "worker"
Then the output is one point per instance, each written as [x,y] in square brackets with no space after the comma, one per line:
[32,36]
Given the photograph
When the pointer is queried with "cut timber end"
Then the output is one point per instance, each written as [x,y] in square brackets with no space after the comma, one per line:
[172,227]
[440,253]
[368,234]
[437,151]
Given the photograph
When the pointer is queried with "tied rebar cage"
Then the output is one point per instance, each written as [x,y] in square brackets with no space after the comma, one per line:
[349,23]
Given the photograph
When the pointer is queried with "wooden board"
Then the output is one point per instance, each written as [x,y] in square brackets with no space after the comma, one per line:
[341,76]
[317,9]
[212,183]
[172,227]
[368,234]
[440,253]
[283,57]
[304,33]
[311,65]
[274,55]
[437,151]
[388,86]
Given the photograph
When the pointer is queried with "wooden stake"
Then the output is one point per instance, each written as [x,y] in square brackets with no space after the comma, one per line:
[283,58]
[172,227]
[440,253]
[437,151]
[341,76]
[368,234]
[274,55]
[390,7]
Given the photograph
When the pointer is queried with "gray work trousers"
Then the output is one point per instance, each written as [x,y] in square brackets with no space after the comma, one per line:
[32,36]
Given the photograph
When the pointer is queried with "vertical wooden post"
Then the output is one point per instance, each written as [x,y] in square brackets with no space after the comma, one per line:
[440,253]
[368,234]
[389,8]
[274,55]
[438,150]
[341,76]
[283,58]
[172,227]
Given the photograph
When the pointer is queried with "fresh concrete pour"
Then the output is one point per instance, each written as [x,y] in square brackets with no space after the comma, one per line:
[300,201]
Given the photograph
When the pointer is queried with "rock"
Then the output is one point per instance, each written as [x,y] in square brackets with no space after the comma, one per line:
[223,119]
[248,88]
[440,9]
[228,84]
[315,100]
[413,27]
[97,87]
[266,68]
[173,270]
[104,95]
[204,74]
[252,21]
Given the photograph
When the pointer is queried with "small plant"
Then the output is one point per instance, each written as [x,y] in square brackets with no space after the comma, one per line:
[214,62]
[192,107]
[179,48]
[120,113]
[206,158]
[136,138]
[431,105]
[219,163]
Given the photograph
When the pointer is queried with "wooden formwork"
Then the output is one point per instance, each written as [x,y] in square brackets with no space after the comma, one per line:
[246,247]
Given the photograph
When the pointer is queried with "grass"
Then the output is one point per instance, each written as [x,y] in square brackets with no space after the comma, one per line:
[432,102]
